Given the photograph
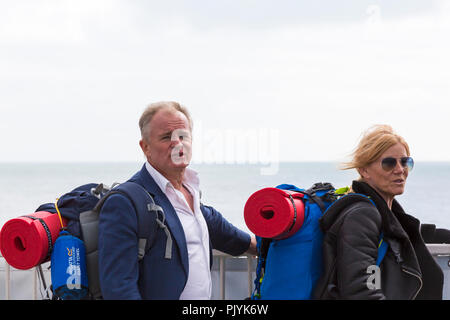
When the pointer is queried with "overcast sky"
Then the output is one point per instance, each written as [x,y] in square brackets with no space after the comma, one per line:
[291,80]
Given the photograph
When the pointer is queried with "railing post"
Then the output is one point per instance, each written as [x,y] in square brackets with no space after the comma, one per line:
[249,274]
[35,283]
[7,281]
[222,277]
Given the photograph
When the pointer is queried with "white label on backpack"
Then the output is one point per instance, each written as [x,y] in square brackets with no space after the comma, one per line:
[73,270]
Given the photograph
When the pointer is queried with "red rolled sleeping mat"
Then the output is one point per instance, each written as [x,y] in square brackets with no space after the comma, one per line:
[274,213]
[27,241]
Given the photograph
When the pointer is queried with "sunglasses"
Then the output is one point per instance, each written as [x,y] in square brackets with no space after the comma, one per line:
[390,163]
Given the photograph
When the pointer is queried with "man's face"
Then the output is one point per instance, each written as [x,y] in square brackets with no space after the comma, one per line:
[168,143]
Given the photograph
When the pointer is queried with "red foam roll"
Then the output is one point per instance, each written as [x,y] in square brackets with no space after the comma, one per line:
[269,213]
[24,242]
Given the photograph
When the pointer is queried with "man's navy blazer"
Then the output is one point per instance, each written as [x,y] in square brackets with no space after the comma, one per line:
[122,276]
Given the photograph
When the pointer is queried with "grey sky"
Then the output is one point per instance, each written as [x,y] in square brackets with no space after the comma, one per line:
[76,75]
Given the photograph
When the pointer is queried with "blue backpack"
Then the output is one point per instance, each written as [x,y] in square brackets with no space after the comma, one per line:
[82,207]
[288,269]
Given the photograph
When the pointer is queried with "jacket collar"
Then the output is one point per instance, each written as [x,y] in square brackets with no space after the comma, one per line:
[144,178]
[390,224]
[392,219]
[397,226]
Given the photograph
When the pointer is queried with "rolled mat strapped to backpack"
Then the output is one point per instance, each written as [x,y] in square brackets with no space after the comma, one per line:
[274,213]
[27,241]
[290,260]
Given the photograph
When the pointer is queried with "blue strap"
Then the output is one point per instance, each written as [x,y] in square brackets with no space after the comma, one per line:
[382,249]
[256,294]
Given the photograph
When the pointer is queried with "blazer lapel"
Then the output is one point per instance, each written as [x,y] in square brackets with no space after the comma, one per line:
[172,220]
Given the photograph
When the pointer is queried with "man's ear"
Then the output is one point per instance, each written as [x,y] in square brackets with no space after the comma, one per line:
[144,146]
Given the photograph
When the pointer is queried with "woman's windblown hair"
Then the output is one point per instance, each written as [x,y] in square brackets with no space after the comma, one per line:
[374,142]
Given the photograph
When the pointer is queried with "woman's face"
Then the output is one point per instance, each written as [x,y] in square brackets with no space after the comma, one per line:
[389,182]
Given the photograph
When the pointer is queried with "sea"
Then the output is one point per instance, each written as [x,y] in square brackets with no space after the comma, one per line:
[25,186]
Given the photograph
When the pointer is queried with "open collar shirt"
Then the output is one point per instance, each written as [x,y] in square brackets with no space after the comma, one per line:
[198,285]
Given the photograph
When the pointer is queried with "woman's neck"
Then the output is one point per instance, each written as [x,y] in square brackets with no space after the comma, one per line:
[389,199]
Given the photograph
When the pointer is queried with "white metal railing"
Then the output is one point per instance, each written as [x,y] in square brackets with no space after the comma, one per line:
[8,270]
[222,257]
[437,250]
[222,271]
[7,280]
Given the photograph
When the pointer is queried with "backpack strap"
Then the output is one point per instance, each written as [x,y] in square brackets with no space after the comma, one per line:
[47,232]
[154,207]
[262,248]
[382,249]
[150,217]
[148,212]
[348,199]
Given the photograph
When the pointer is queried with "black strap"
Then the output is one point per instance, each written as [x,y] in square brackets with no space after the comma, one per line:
[320,186]
[264,249]
[295,214]
[318,201]
[47,231]
[99,204]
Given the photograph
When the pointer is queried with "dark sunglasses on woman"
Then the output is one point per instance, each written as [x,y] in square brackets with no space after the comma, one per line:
[390,163]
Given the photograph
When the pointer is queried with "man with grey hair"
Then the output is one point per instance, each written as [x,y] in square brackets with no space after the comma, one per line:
[184,272]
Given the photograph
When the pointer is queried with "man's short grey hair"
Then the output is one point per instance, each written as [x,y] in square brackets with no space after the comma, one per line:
[153,108]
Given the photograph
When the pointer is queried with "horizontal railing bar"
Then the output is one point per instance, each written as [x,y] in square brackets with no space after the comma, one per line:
[435,250]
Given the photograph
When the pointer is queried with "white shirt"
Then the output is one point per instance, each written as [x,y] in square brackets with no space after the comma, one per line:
[198,285]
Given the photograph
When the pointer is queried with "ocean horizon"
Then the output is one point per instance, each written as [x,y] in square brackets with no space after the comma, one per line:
[25,185]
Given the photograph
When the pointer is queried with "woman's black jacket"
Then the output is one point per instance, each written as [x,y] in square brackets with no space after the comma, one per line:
[350,246]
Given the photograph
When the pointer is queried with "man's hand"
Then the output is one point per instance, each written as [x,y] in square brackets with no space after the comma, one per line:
[252,247]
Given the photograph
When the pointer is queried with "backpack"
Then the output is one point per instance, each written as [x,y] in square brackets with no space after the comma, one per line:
[82,208]
[289,268]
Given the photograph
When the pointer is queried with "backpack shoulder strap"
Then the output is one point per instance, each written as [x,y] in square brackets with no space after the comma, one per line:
[382,244]
[382,249]
[150,217]
[348,199]
[335,210]
[262,248]
[351,198]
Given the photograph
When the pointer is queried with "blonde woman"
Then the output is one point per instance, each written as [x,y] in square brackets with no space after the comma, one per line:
[408,271]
